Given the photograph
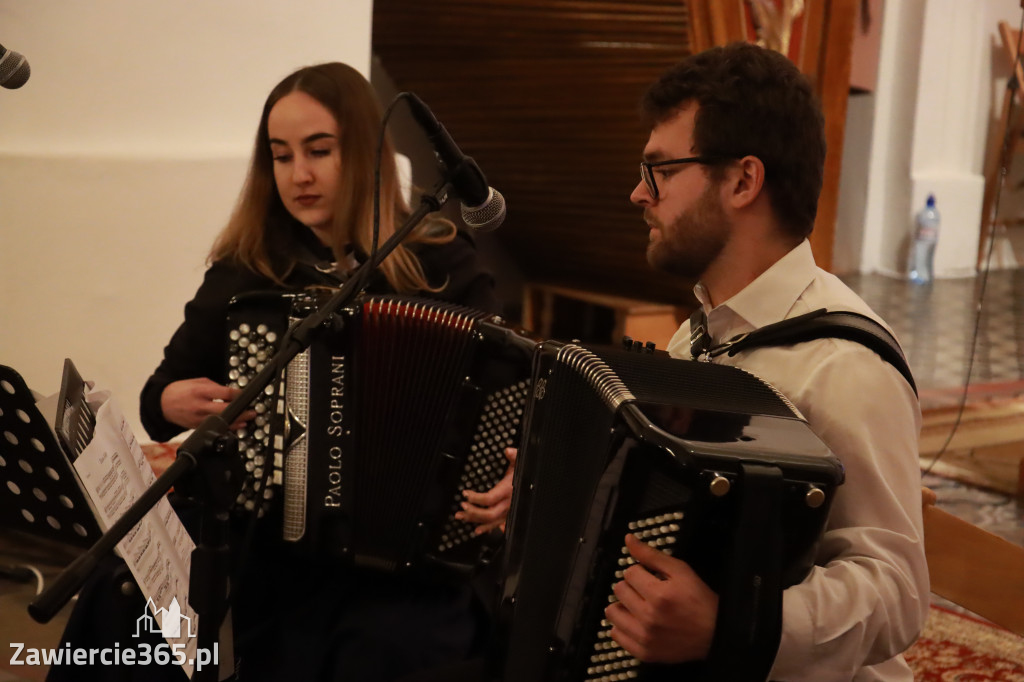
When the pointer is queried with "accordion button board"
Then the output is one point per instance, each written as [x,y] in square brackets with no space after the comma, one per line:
[249,348]
[498,430]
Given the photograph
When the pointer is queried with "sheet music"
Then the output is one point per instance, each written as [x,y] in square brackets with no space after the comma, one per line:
[114,471]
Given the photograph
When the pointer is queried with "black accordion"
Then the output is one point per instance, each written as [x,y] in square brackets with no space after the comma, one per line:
[362,448]
[705,462]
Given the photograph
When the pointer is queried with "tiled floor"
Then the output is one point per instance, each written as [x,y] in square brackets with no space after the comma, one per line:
[936,326]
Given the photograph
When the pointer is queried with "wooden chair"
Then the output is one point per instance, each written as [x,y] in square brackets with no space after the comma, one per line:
[974,568]
[1004,139]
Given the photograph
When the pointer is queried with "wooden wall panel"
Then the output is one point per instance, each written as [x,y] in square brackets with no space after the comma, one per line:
[543,94]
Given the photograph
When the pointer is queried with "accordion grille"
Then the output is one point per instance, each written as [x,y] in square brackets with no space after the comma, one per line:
[296,465]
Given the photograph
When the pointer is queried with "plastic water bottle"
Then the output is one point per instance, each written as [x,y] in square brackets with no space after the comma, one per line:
[926,236]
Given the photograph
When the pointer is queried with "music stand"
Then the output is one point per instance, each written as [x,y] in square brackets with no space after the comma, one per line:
[40,493]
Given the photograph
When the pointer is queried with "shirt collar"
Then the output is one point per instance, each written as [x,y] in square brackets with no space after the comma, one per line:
[767,299]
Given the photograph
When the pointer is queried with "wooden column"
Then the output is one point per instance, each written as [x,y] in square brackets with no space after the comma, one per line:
[822,49]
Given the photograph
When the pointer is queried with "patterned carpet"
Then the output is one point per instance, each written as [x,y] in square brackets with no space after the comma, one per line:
[958,648]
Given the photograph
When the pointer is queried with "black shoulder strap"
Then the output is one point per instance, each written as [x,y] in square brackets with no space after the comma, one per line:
[820,324]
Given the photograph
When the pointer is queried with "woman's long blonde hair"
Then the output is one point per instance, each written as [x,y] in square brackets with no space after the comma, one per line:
[257,232]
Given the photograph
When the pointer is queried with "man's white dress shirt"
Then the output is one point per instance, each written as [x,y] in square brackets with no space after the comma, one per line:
[866,599]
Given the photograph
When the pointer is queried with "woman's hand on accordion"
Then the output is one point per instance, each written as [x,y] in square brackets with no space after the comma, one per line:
[488,510]
[664,612]
[189,401]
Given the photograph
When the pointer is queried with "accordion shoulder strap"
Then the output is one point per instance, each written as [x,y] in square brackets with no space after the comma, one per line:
[820,324]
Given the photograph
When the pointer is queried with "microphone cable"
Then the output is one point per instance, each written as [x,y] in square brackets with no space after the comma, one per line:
[365,274]
[1014,85]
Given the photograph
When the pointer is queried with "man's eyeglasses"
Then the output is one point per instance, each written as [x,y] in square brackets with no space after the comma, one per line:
[647,174]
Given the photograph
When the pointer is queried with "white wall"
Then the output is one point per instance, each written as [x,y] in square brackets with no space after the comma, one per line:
[120,160]
[949,129]
[940,78]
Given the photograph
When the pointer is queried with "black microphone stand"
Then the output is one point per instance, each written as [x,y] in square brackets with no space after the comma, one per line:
[207,465]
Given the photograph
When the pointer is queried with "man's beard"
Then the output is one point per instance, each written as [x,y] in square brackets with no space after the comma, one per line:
[693,240]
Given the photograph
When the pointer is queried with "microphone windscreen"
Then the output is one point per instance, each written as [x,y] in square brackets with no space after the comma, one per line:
[14,70]
[487,216]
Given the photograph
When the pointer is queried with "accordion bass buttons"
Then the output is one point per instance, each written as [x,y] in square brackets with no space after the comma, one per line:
[720,486]
[815,497]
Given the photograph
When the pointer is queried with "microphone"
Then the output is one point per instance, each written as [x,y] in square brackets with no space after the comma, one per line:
[483,207]
[14,69]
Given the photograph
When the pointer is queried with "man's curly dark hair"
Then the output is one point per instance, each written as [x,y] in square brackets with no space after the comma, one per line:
[751,101]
